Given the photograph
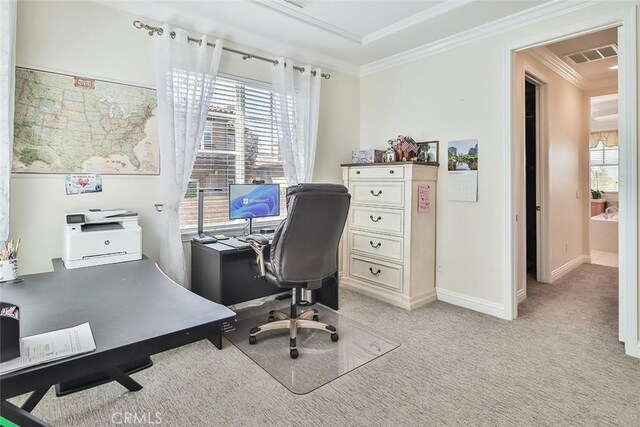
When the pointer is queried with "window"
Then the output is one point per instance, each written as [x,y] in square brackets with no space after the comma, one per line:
[604,167]
[239,145]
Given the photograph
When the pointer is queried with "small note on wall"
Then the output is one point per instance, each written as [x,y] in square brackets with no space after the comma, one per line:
[424,198]
[82,184]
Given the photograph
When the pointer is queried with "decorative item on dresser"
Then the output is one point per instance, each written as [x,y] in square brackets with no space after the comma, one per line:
[388,252]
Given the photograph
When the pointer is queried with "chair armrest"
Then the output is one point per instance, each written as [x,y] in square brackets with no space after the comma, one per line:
[258,243]
[257,238]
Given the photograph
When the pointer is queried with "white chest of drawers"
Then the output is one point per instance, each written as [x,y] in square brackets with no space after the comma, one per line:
[388,251]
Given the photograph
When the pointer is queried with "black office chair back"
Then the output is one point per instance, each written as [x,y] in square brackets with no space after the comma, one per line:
[305,245]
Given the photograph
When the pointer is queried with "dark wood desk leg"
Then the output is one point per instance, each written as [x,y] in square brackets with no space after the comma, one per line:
[19,416]
[34,399]
[125,380]
[216,340]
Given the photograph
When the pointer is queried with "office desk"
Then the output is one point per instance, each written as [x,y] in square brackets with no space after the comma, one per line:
[229,275]
[134,311]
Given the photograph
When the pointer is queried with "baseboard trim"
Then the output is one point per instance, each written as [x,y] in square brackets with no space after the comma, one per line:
[566,268]
[522,295]
[472,303]
[390,297]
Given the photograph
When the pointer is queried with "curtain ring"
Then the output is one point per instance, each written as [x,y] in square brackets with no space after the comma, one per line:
[248,56]
[159,207]
[276,62]
[173,34]
[200,42]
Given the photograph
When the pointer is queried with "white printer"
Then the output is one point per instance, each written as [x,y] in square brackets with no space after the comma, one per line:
[101,236]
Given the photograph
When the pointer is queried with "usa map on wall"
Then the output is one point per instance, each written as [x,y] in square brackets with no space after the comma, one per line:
[70,124]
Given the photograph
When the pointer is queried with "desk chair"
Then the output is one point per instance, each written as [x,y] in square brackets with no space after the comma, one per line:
[303,252]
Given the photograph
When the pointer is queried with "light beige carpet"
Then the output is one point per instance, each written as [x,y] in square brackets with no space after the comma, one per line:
[559,364]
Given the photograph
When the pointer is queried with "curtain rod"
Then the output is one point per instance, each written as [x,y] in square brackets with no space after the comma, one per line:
[245,55]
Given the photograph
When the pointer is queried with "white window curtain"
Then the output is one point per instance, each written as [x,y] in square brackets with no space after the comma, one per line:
[7,90]
[186,76]
[297,106]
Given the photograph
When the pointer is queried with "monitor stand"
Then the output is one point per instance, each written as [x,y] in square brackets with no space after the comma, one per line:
[250,225]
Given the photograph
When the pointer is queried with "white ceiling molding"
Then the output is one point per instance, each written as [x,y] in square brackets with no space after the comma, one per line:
[564,70]
[298,14]
[540,13]
[418,18]
[557,65]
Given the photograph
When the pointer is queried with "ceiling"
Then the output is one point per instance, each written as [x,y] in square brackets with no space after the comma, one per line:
[586,75]
[345,35]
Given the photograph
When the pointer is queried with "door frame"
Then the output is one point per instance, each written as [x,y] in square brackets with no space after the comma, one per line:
[628,219]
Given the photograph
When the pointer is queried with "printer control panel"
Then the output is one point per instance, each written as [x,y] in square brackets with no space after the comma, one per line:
[75,219]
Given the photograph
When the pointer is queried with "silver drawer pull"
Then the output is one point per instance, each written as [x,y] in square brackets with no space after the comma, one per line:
[375,246]
[374,273]
[374,194]
[375,220]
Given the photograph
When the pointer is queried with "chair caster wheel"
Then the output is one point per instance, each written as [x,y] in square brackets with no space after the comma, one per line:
[316,317]
[293,353]
[271,319]
[334,337]
[252,340]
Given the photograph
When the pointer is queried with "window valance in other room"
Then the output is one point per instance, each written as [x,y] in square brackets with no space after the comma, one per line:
[609,138]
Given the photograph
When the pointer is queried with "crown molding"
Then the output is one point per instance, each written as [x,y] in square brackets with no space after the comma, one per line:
[564,70]
[293,12]
[539,13]
[418,18]
[557,65]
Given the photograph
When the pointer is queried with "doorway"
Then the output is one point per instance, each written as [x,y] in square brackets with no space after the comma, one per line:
[531,175]
[516,253]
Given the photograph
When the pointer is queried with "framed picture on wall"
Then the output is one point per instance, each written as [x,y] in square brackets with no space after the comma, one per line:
[428,151]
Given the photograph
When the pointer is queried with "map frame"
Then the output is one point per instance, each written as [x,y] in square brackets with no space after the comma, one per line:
[148,132]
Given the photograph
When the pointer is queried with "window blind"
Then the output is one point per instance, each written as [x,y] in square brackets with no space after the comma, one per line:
[604,167]
[239,145]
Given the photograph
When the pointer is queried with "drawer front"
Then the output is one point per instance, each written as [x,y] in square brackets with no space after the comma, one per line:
[375,272]
[376,172]
[377,219]
[387,247]
[388,194]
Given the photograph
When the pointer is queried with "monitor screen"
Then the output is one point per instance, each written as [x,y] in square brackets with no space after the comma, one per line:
[253,200]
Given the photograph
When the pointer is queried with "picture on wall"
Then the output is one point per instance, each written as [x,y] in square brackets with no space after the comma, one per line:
[462,163]
[463,155]
[71,124]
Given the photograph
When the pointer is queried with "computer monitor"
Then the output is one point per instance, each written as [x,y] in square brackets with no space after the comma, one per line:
[247,201]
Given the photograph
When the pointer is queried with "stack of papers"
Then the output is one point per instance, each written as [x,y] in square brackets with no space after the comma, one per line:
[50,346]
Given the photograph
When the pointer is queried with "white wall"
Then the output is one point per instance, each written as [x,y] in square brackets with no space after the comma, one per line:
[458,94]
[87,39]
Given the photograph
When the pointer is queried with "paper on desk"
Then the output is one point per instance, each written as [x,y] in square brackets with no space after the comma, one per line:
[50,346]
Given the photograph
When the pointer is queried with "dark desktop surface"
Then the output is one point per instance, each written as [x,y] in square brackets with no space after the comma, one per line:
[133,309]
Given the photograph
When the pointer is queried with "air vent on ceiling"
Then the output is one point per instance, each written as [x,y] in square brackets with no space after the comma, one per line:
[299,3]
[594,54]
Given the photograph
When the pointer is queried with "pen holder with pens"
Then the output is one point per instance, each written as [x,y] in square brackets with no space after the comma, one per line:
[9,261]
[9,331]
[8,270]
